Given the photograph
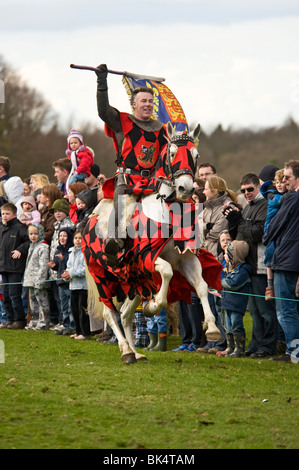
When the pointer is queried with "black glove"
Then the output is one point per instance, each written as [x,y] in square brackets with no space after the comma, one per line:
[102,77]
[209,225]
[233,217]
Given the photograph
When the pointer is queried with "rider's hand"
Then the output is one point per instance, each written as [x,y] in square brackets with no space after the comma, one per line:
[102,77]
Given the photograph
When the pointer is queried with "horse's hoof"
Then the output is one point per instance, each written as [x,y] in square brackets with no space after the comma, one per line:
[129,358]
[140,357]
[214,336]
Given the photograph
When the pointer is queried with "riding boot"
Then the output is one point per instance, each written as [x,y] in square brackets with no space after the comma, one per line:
[239,350]
[162,343]
[114,245]
[153,341]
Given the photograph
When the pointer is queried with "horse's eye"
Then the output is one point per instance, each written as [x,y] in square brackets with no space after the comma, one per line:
[173,151]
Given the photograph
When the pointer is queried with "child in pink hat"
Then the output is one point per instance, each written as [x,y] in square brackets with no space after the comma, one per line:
[81,156]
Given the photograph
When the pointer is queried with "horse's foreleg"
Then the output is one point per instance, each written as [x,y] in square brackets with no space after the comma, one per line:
[160,300]
[127,355]
[190,268]
[127,314]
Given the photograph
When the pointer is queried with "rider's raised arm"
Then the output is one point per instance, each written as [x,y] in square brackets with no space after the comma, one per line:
[106,112]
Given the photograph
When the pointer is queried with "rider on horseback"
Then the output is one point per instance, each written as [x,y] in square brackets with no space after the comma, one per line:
[138,140]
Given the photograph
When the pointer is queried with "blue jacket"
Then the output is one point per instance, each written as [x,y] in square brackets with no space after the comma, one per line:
[237,280]
[284,231]
[274,200]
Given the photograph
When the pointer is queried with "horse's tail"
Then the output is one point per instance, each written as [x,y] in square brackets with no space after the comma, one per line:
[95,308]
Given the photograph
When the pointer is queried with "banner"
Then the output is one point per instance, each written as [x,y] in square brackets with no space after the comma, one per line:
[166,106]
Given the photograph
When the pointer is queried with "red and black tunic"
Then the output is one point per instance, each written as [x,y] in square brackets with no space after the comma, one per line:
[139,150]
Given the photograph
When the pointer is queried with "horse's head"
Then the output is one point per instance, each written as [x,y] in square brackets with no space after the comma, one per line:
[178,162]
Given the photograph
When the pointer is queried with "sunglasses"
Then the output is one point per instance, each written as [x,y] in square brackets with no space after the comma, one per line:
[249,190]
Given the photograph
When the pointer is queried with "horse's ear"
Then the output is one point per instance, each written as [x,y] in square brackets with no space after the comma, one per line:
[169,129]
[195,133]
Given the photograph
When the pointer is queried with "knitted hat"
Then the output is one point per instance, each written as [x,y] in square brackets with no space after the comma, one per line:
[29,200]
[268,172]
[95,170]
[74,133]
[86,196]
[237,251]
[60,205]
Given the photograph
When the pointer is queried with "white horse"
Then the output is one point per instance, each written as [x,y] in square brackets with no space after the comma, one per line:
[179,172]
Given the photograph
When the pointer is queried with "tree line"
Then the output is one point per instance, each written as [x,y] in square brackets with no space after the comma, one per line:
[31,136]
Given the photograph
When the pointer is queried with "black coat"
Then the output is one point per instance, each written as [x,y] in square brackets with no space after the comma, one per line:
[250,228]
[13,236]
[284,231]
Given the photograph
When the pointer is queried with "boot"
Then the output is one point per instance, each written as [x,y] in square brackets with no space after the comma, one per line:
[162,343]
[239,350]
[230,346]
[153,341]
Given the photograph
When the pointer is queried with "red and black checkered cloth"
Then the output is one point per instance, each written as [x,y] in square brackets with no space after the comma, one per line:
[135,273]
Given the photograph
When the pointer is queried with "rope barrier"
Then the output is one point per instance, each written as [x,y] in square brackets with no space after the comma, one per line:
[212,291]
[253,295]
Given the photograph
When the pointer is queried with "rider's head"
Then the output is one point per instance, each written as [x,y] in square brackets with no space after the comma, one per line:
[142,100]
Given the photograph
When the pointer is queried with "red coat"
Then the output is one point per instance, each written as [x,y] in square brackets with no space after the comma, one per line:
[85,161]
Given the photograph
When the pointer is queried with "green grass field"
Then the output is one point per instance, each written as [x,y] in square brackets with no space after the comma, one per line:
[58,393]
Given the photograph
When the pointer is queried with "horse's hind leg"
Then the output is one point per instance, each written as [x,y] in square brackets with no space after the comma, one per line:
[127,355]
[190,268]
[127,314]
[154,305]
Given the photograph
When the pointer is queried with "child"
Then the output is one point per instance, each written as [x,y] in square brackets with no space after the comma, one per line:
[274,199]
[81,156]
[141,334]
[75,274]
[224,240]
[35,277]
[29,214]
[14,244]
[157,330]
[84,203]
[236,279]
[60,208]
[59,262]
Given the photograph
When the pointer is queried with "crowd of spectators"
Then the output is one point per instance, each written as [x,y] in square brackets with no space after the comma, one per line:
[254,234]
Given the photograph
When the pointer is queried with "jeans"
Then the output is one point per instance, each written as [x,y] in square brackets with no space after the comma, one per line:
[3,317]
[234,322]
[78,178]
[191,318]
[12,297]
[264,319]
[157,323]
[287,310]
[65,306]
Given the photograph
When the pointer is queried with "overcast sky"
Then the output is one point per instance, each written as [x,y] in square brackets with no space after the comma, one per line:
[229,62]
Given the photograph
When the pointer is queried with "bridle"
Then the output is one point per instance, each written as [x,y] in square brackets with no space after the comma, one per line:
[180,140]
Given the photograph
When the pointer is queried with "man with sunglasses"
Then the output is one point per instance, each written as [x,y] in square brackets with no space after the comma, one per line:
[284,231]
[248,225]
